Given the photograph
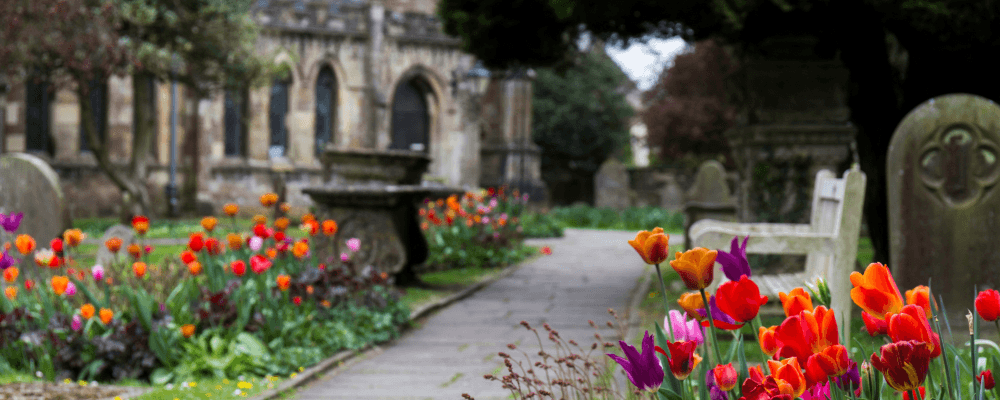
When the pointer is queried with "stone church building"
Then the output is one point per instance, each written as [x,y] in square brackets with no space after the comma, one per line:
[363,74]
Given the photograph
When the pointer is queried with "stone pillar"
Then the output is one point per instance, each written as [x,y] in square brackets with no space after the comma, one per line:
[509,157]
[794,116]
[375,107]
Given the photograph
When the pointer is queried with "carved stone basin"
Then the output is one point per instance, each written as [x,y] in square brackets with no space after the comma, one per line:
[374,196]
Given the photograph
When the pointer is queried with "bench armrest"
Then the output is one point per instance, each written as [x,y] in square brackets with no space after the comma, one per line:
[765,238]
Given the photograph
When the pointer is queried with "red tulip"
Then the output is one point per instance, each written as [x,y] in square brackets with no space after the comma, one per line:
[874,326]
[759,387]
[683,358]
[213,246]
[906,395]
[789,371]
[986,378]
[297,300]
[725,376]
[921,296]
[261,231]
[196,242]
[259,264]
[910,324]
[57,245]
[832,361]
[807,333]
[239,267]
[188,257]
[740,300]
[904,364]
[988,304]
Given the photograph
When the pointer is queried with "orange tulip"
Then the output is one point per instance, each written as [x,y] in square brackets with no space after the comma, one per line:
[271,253]
[691,302]
[308,217]
[106,315]
[10,292]
[230,209]
[73,237]
[789,371]
[194,268]
[187,330]
[10,274]
[876,292]
[695,266]
[209,223]
[59,284]
[285,207]
[140,224]
[259,219]
[87,311]
[300,249]
[768,343]
[114,244]
[807,333]
[283,282]
[139,268]
[281,223]
[24,243]
[652,245]
[921,296]
[329,227]
[135,251]
[833,361]
[796,301]
[268,199]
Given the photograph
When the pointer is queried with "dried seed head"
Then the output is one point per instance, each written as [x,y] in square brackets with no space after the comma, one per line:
[546,326]
[504,355]
[591,322]
[511,346]
[610,325]
[467,397]
[572,342]
[525,324]
[594,346]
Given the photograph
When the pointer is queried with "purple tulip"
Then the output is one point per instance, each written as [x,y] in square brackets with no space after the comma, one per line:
[11,222]
[819,391]
[6,261]
[850,379]
[734,263]
[683,329]
[714,391]
[643,369]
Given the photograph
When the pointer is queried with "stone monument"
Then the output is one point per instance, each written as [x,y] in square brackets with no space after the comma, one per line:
[611,185]
[943,202]
[30,186]
[104,256]
[709,197]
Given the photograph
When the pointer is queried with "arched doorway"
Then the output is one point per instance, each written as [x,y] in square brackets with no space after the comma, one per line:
[411,116]
[326,108]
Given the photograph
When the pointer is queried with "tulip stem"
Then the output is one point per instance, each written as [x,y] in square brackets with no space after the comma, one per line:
[756,333]
[666,307]
[711,324]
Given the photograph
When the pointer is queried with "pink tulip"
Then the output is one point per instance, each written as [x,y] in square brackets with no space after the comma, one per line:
[77,323]
[70,289]
[255,243]
[354,244]
[344,257]
[98,272]
[684,330]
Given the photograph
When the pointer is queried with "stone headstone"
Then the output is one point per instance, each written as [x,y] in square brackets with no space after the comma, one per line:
[29,185]
[671,194]
[944,208]
[611,185]
[125,233]
[710,185]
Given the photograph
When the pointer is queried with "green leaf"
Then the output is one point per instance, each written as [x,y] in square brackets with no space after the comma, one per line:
[668,394]
[161,376]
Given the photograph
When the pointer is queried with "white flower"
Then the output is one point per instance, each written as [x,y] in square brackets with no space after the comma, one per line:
[184,385]
[39,374]
[170,386]
[237,392]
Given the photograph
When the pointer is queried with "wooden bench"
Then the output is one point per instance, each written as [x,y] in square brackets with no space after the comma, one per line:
[829,241]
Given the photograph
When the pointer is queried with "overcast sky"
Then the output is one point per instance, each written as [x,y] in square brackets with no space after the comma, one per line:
[643,62]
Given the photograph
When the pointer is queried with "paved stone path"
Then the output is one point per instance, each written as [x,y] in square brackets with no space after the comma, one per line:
[588,272]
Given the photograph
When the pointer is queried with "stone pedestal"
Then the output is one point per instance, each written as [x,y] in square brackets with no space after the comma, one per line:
[793,115]
[508,155]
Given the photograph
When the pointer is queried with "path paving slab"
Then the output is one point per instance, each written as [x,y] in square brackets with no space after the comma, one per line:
[588,272]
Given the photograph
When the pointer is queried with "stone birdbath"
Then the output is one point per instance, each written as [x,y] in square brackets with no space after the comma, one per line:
[374,196]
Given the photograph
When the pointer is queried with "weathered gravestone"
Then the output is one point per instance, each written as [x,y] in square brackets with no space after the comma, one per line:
[944,209]
[125,233]
[671,194]
[611,185]
[30,186]
[709,197]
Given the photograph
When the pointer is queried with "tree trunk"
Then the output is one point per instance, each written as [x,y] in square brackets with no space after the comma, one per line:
[139,202]
[134,192]
[875,100]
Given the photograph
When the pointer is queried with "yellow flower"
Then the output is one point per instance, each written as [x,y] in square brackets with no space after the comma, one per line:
[696,267]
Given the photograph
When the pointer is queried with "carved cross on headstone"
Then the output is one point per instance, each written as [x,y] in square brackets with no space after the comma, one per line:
[959,165]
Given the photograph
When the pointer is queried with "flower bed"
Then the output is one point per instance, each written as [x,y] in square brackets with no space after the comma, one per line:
[804,356]
[235,302]
[476,230]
